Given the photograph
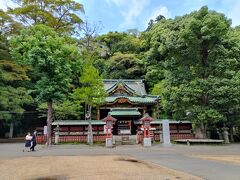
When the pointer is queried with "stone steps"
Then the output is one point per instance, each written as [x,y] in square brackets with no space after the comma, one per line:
[125,140]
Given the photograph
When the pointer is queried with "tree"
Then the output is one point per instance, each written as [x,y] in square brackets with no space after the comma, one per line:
[196,60]
[87,33]
[152,22]
[61,15]
[124,66]
[68,109]
[110,40]
[7,25]
[48,54]
[13,96]
[91,92]
[121,42]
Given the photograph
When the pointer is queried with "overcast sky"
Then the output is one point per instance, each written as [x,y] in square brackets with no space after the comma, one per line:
[120,15]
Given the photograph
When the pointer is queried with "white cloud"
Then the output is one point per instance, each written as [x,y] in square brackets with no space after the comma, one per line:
[7,3]
[161,10]
[129,9]
[135,9]
[234,13]
[117,2]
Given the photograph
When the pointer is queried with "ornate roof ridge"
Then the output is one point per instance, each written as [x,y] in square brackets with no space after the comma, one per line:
[129,80]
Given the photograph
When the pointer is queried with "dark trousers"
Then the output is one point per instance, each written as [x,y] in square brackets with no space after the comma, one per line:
[33,146]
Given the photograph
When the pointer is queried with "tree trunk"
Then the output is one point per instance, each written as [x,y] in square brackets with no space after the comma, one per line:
[11,130]
[231,134]
[49,123]
[90,133]
[200,131]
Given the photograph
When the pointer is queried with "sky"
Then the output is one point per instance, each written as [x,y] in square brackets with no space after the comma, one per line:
[121,15]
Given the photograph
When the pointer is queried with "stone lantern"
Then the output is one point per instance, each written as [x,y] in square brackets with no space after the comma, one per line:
[109,125]
[57,129]
[146,119]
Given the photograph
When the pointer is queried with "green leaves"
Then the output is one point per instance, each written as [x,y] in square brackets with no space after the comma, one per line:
[61,15]
[91,90]
[49,55]
[199,56]
[65,110]
[124,66]
[12,101]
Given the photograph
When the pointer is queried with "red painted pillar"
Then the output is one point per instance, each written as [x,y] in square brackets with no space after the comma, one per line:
[107,131]
[144,135]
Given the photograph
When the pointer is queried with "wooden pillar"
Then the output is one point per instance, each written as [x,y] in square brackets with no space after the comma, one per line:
[98,113]
[144,109]
[145,133]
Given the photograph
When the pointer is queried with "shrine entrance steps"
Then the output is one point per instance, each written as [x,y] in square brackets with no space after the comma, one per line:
[125,139]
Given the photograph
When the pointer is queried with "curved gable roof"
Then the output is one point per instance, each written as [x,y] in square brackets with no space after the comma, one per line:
[133,86]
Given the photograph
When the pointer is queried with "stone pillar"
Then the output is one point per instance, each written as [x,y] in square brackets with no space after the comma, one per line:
[56,133]
[147,142]
[56,137]
[166,133]
[225,135]
[109,142]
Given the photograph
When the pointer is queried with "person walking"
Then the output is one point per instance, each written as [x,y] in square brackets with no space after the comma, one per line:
[28,139]
[33,141]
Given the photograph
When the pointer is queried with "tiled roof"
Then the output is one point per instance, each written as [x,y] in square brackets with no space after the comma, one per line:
[77,122]
[136,86]
[171,121]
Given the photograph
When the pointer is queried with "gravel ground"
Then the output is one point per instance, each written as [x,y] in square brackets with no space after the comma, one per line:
[187,159]
[85,167]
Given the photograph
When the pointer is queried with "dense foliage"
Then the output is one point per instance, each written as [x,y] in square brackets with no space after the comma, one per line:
[191,61]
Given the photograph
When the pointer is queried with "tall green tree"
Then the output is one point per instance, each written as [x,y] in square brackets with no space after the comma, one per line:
[120,42]
[91,92]
[50,56]
[124,66]
[196,59]
[65,110]
[61,15]
[8,25]
[13,97]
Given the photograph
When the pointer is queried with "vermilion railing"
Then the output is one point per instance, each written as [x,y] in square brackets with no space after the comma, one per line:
[101,138]
[67,138]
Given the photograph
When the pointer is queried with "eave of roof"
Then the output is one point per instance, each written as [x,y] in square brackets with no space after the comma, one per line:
[125,112]
[77,122]
[159,121]
[134,99]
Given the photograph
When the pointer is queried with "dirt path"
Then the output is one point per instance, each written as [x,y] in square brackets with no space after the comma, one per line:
[226,158]
[85,167]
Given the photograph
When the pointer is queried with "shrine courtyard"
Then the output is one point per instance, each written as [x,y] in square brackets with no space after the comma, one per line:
[62,162]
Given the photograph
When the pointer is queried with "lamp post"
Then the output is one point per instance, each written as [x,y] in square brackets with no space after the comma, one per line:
[146,119]
[109,125]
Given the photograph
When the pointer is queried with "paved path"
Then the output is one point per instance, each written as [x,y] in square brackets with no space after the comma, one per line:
[178,157]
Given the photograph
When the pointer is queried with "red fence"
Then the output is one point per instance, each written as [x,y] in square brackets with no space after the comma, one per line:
[65,139]
[173,136]
[101,138]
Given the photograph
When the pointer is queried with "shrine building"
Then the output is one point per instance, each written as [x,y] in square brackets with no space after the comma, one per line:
[127,102]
